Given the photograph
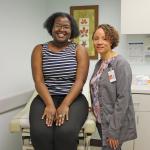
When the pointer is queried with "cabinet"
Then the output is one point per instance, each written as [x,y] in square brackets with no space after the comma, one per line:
[142,109]
[128,145]
[135,16]
[142,114]
[142,142]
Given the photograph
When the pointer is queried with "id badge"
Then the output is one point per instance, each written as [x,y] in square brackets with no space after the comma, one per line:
[111,75]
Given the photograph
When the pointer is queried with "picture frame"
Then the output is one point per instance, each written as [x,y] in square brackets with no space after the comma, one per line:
[87,20]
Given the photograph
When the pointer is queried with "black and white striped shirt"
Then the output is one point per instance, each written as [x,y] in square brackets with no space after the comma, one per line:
[59,69]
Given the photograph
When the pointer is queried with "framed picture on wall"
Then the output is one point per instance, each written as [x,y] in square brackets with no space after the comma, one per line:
[87,20]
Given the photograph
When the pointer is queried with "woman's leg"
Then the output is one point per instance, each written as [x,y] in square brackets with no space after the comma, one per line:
[66,136]
[41,135]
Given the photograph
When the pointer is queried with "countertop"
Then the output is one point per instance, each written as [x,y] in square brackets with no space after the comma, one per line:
[141,89]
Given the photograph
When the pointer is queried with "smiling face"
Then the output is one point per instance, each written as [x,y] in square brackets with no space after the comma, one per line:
[61,31]
[101,44]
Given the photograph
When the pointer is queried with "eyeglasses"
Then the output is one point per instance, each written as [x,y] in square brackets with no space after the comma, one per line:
[64,27]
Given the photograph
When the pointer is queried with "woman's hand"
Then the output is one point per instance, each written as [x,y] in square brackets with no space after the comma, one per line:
[113,143]
[49,114]
[62,114]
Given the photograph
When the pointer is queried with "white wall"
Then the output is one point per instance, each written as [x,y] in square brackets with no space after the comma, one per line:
[140,67]
[21,29]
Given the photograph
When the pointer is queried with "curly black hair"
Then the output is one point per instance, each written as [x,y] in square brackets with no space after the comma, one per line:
[49,23]
[111,34]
